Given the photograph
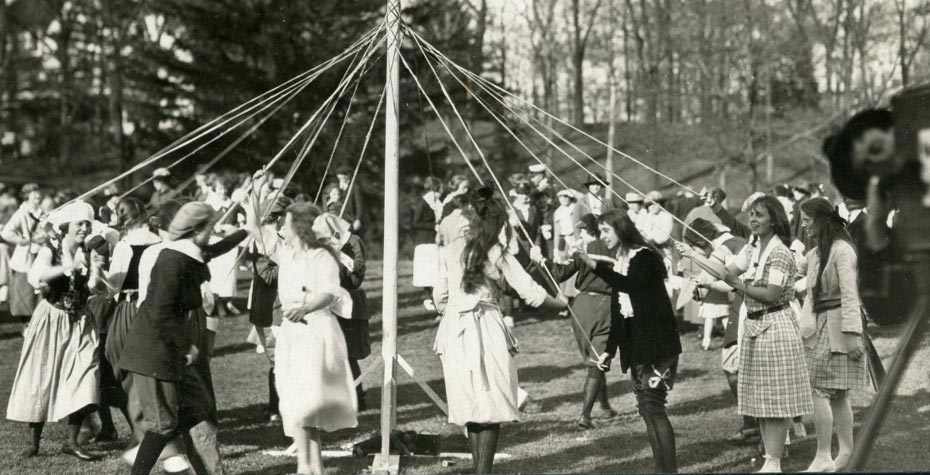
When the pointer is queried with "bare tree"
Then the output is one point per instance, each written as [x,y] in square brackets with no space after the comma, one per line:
[912,33]
[581,32]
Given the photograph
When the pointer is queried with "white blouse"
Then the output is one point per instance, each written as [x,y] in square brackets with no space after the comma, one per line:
[304,272]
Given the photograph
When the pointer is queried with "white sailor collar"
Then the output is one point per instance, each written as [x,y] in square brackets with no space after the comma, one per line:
[188,248]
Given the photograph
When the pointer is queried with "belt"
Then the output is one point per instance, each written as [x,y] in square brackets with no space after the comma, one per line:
[596,294]
[130,295]
[760,313]
[821,307]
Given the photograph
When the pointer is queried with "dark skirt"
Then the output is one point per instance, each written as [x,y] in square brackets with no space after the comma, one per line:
[358,339]
[23,298]
[593,312]
[111,390]
[120,323]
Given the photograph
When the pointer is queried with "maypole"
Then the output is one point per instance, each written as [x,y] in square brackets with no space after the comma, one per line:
[383,463]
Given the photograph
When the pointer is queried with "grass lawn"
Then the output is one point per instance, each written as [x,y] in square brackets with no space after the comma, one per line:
[702,410]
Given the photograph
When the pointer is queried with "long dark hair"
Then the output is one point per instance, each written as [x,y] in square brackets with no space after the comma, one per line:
[777,215]
[487,217]
[630,237]
[828,227]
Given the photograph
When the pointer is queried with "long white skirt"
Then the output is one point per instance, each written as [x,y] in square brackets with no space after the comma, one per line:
[312,375]
[222,272]
[476,350]
[425,265]
[58,370]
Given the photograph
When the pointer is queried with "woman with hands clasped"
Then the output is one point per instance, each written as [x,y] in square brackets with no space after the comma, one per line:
[831,326]
[648,337]
[312,372]
[773,381]
[476,348]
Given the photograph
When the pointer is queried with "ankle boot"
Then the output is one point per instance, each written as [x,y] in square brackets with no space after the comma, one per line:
[592,385]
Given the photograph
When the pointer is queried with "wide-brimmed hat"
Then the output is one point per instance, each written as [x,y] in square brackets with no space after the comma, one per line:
[344,170]
[655,196]
[74,212]
[566,192]
[633,197]
[592,180]
[537,168]
[161,173]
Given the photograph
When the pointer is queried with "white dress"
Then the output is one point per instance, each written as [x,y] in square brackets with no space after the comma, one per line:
[475,346]
[312,372]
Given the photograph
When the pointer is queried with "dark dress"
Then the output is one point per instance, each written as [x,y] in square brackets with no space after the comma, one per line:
[358,339]
[591,306]
[648,341]
[424,223]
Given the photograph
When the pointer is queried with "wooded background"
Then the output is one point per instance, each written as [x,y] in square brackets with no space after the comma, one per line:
[732,92]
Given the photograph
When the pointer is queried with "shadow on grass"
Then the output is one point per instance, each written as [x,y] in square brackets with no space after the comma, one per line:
[233,349]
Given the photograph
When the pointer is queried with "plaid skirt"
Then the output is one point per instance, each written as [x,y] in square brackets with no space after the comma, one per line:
[773,377]
[830,370]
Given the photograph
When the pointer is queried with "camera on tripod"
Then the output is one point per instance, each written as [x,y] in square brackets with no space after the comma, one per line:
[890,148]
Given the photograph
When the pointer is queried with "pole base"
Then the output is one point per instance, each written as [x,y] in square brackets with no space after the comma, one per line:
[391,466]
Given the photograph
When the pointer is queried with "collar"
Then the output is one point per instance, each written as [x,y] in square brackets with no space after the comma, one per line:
[188,248]
[855,214]
[722,239]
[758,260]
[141,237]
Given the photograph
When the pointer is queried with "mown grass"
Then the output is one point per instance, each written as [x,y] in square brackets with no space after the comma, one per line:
[701,407]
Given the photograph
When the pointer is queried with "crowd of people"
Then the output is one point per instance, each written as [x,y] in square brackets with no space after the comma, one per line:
[120,295]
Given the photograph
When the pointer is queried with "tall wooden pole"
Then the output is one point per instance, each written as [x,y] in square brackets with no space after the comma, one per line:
[391,174]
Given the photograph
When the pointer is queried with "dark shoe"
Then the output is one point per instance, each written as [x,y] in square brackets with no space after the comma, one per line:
[584,423]
[106,436]
[79,453]
[746,436]
[608,413]
[29,452]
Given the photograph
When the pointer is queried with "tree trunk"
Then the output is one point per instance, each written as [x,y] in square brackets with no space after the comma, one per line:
[115,80]
[63,44]
[577,65]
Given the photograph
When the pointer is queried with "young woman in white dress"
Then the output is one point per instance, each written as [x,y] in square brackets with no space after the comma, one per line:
[476,347]
[312,373]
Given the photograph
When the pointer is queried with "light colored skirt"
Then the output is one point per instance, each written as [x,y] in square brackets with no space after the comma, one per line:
[476,350]
[312,375]
[773,378]
[223,273]
[58,370]
[425,265]
[830,370]
[22,295]
[710,311]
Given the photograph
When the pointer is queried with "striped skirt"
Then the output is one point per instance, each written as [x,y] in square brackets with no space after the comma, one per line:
[773,378]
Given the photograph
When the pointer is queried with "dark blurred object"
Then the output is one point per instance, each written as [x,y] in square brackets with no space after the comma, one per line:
[406,442]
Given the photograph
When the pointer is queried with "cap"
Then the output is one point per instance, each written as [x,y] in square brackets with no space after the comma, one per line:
[633,197]
[190,217]
[537,168]
[566,192]
[161,173]
[592,180]
[344,170]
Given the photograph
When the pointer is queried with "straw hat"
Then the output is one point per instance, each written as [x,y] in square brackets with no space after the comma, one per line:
[633,197]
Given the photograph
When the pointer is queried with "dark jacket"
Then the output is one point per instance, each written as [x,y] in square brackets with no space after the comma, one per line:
[351,279]
[586,280]
[159,339]
[424,223]
[651,335]
[264,290]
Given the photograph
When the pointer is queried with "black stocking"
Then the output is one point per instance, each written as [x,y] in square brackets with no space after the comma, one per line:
[474,435]
[149,451]
[74,423]
[487,447]
[272,394]
[602,398]
[35,432]
[592,389]
[662,439]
